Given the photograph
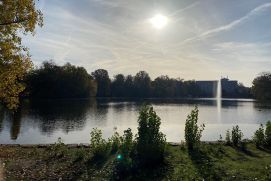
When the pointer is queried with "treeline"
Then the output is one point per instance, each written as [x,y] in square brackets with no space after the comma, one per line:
[68,81]
[261,86]
[141,85]
[53,81]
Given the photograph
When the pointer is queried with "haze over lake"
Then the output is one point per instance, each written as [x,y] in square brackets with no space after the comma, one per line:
[72,120]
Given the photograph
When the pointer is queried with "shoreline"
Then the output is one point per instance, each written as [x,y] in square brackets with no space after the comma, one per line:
[213,161]
[87,145]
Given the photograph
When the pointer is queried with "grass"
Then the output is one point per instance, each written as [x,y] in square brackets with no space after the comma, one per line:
[211,162]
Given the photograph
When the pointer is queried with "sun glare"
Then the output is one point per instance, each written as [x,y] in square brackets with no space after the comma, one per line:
[159,21]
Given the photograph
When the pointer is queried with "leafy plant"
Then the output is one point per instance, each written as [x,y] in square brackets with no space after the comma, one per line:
[193,132]
[228,137]
[124,162]
[127,143]
[236,136]
[268,134]
[59,149]
[80,154]
[100,148]
[243,145]
[259,138]
[115,140]
[150,142]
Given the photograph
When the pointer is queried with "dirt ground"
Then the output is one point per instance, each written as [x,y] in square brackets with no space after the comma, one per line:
[1,171]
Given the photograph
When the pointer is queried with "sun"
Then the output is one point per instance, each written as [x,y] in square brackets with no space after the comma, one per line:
[159,21]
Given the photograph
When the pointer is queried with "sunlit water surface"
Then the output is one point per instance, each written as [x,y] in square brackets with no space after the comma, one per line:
[72,120]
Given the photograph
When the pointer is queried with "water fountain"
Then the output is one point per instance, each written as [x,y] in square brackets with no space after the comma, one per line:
[218,90]
[218,99]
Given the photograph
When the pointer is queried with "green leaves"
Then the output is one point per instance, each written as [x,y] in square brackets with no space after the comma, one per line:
[193,132]
[268,133]
[100,148]
[151,142]
[236,135]
[258,137]
[262,137]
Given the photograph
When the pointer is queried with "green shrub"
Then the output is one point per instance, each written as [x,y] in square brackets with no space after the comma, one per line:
[59,149]
[236,136]
[268,134]
[127,143]
[193,132]
[115,140]
[228,137]
[150,142]
[123,163]
[100,148]
[79,154]
[243,145]
[259,138]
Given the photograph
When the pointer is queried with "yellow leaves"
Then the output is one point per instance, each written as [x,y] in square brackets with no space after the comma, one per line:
[11,76]
[15,16]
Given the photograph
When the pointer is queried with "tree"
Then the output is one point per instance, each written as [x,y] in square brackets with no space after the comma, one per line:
[117,87]
[16,17]
[142,83]
[163,86]
[192,130]
[150,142]
[129,86]
[68,81]
[236,136]
[102,78]
[261,86]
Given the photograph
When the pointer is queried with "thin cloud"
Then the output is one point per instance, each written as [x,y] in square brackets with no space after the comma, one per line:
[185,8]
[107,3]
[256,11]
[235,23]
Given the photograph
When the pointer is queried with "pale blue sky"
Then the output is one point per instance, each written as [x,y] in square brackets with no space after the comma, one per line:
[203,39]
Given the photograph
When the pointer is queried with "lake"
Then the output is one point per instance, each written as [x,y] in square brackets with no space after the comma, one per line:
[72,120]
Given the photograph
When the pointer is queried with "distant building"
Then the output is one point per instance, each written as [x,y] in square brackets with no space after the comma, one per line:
[229,87]
[207,88]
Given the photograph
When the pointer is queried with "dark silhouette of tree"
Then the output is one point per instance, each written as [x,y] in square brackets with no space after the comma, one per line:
[142,84]
[2,116]
[261,86]
[117,86]
[163,86]
[102,78]
[129,86]
[68,81]
[15,125]
[192,89]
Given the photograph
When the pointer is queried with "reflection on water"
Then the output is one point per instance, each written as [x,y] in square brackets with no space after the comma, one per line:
[1,118]
[64,115]
[45,121]
[15,125]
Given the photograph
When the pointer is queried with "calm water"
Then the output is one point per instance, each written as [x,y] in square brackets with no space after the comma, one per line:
[72,120]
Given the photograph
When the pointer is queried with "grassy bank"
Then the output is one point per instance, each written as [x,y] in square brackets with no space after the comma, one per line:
[210,162]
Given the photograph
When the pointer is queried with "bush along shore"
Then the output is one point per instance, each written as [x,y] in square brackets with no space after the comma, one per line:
[145,156]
